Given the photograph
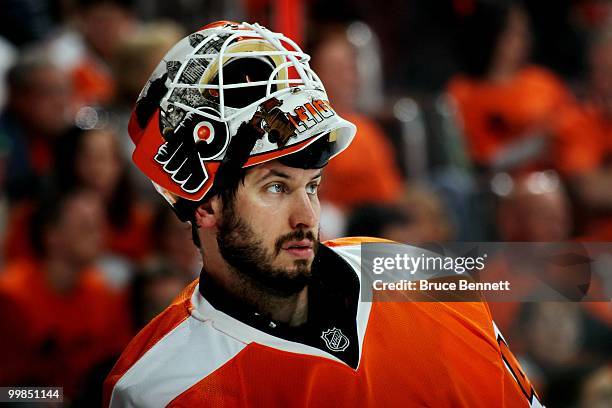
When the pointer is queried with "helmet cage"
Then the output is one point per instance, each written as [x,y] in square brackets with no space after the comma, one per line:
[252,41]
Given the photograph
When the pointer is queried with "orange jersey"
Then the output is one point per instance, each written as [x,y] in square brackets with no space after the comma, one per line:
[131,241]
[93,83]
[584,139]
[51,338]
[584,145]
[410,355]
[494,115]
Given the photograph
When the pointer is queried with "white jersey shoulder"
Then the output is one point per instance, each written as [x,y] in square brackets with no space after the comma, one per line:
[187,354]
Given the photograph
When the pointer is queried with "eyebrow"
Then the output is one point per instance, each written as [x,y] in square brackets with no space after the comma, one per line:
[276,173]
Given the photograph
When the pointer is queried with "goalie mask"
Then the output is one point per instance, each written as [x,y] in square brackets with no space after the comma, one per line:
[227,97]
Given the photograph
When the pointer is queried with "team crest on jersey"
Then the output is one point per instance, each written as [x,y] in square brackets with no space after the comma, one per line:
[335,340]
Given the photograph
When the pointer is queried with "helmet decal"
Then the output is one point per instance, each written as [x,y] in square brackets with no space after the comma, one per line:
[275,122]
[210,84]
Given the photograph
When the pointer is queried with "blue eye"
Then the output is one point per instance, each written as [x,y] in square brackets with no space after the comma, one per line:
[312,189]
[275,188]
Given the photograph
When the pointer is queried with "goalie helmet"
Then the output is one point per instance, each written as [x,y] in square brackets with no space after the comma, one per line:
[231,96]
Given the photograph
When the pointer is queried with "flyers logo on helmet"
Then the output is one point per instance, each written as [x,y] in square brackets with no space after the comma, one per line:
[186,150]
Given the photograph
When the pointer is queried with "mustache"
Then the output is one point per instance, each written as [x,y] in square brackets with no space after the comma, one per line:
[297,235]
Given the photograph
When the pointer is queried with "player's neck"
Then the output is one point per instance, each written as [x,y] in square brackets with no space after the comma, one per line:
[230,287]
[292,310]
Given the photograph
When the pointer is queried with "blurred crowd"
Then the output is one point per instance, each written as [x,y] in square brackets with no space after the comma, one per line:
[477,121]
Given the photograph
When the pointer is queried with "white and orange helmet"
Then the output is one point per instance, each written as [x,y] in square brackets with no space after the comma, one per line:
[230,94]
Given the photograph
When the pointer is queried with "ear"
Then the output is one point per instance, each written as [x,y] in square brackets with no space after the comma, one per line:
[208,214]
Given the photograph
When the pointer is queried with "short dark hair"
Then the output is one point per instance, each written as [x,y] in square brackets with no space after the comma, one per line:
[320,34]
[144,276]
[18,76]
[47,214]
[65,174]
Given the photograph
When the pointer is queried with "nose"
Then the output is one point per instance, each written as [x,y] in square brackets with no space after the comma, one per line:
[304,211]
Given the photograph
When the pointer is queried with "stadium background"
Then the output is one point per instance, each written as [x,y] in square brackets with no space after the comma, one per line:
[477,121]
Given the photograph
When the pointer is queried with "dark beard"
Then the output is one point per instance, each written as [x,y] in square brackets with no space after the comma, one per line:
[246,254]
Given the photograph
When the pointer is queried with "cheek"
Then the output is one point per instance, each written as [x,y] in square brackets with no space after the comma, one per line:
[266,220]
[261,210]
[318,211]
[265,223]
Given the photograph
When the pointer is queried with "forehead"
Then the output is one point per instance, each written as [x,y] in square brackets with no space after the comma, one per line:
[275,167]
[100,139]
[78,208]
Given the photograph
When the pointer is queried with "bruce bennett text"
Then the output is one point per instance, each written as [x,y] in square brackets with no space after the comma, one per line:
[425,285]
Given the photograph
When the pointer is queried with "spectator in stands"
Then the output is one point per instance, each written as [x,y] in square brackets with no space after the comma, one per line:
[430,219]
[535,208]
[156,284]
[91,159]
[58,317]
[585,148]
[87,51]
[379,220]
[172,244]
[138,54]
[530,208]
[38,111]
[596,389]
[506,105]
[560,341]
[367,171]
[419,218]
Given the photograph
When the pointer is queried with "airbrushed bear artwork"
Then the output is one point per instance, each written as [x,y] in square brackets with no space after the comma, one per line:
[234,129]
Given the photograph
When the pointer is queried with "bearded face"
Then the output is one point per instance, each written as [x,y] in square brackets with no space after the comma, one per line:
[248,255]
